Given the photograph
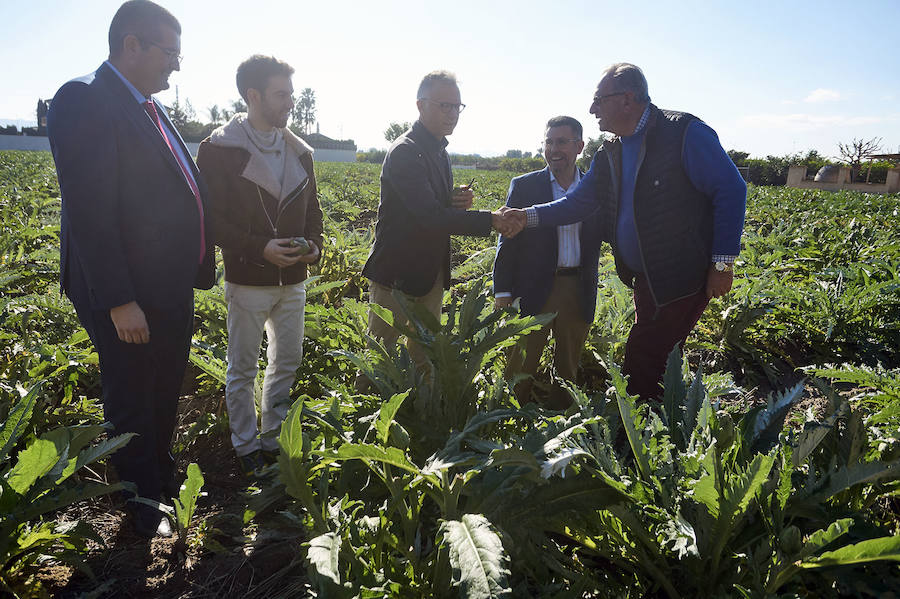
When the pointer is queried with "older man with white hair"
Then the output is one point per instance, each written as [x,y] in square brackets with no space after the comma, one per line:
[671,203]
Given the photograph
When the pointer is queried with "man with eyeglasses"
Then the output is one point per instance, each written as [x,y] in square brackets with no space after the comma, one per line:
[134,241]
[671,203]
[419,210]
[263,195]
[551,269]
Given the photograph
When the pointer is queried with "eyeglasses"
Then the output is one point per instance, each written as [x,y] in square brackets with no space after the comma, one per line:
[560,143]
[171,53]
[599,99]
[447,107]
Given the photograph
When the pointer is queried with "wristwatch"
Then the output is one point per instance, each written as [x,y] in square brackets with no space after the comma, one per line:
[721,266]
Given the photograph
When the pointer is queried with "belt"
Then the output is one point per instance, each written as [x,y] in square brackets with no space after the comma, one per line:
[569,271]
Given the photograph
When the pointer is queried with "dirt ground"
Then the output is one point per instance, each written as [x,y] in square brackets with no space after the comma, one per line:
[129,566]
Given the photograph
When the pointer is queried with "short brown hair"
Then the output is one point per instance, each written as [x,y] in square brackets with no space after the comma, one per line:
[255,73]
[567,121]
[140,18]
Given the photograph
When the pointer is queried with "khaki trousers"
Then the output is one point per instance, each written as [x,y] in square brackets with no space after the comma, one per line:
[379,329]
[569,333]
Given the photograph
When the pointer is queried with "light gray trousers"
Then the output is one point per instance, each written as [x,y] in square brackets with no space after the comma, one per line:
[279,311]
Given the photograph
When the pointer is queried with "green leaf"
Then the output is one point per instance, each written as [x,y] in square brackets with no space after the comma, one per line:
[373,453]
[743,488]
[68,496]
[770,420]
[872,550]
[693,401]
[627,411]
[674,390]
[387,413]
[186,502]
[17,421]
[324,551]
[850,476]
[291,458]
[34,461]
[94,453]
[812,435]
[477,557]
[551,502]
[823,537]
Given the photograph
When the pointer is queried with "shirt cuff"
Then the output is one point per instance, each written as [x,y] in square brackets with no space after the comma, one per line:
[532,217]
[727,259]
[500,294]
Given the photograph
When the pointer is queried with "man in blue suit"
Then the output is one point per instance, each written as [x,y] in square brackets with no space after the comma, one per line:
[133,240]
[550,269]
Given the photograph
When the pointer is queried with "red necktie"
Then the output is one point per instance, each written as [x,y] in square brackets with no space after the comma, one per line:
[151,110]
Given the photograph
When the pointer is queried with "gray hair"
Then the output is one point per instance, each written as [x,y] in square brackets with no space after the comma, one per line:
[629,78]
[430,79]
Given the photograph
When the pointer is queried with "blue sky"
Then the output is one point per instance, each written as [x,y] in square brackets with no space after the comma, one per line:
[770,77]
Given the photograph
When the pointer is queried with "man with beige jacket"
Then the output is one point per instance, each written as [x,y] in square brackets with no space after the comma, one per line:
[262,198]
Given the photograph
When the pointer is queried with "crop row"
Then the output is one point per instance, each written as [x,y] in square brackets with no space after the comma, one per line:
[449,487]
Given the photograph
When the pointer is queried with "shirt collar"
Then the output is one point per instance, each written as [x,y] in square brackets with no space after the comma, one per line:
[642,122]
[574,181]
[424,136]
[138,96]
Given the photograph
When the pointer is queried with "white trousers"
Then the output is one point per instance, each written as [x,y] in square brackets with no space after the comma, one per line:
[278,310]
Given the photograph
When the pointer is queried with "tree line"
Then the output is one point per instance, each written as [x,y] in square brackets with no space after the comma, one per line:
[185,118]
[771,170]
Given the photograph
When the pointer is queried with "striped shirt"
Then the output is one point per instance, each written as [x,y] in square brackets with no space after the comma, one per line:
[568,236]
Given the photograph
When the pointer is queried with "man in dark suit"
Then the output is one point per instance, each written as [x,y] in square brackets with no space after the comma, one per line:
[133,240]
[418,212]
[550,269]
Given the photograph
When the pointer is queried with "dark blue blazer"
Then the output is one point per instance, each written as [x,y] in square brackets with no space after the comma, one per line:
[525,264]
[130,227]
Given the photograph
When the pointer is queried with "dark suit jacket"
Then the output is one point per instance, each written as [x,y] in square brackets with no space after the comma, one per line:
[130,228]
[525,264]
[415,219]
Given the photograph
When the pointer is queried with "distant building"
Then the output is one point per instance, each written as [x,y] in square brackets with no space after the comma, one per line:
[330,150]
[839,179]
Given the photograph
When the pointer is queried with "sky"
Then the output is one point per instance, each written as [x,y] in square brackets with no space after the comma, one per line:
[772,78]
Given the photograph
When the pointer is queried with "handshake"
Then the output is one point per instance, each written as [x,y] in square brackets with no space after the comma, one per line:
[509,222]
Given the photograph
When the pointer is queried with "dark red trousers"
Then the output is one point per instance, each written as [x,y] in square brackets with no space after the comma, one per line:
[654,334]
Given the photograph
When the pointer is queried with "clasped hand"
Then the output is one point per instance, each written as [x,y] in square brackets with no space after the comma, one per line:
[280,253]
[509,221]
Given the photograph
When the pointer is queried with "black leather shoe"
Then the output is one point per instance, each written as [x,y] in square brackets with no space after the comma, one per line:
[269,456]
[251,463]
[148,521]
[171,489]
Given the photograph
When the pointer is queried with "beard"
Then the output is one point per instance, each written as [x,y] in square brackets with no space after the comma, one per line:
[275,119]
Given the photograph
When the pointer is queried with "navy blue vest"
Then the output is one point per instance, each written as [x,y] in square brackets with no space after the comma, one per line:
[673,219]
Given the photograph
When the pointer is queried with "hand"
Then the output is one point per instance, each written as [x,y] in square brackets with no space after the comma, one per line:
[462,198]
[279,252]
[131,323]
[718,283]
[502,302]
[312,255]
[509,221]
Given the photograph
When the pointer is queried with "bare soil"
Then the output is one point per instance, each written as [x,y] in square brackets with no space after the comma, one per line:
[127,565]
